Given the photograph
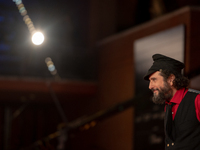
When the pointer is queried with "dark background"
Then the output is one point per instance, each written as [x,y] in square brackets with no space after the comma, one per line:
[66,26]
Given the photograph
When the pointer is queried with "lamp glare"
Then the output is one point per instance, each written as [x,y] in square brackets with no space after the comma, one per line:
[38,38]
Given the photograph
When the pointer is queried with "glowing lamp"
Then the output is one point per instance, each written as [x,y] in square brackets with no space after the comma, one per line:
[38,38]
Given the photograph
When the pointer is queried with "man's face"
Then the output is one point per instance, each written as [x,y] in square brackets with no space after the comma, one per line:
[161,89]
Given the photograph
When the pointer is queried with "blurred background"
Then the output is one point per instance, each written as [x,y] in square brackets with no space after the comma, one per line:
[71,30]
[97,99]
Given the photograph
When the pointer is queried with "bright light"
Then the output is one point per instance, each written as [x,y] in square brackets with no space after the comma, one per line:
[38,38]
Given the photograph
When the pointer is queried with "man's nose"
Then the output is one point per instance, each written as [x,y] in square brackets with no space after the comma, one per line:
[150,85]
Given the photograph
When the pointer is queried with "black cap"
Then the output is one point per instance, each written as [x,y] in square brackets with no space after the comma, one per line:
[164,63]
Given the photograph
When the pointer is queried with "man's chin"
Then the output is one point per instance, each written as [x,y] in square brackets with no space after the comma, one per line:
[157,100]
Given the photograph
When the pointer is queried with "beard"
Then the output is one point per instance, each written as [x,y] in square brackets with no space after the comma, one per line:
[164,94]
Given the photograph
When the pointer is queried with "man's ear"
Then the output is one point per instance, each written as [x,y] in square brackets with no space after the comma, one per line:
[171,79]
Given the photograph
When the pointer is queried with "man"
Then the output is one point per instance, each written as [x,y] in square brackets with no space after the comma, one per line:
[182,105]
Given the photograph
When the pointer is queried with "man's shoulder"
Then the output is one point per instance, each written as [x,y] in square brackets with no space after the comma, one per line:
[196,92]
[193,90]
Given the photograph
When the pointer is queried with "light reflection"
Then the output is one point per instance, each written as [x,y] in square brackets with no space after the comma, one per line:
[51,67]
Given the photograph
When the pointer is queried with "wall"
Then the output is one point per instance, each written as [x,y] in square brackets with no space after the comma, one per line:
[32,110]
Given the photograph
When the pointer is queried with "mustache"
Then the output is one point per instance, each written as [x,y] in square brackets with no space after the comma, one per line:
[154,89]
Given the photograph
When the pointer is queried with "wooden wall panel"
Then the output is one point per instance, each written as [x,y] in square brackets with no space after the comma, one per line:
[194,46]
[38,115]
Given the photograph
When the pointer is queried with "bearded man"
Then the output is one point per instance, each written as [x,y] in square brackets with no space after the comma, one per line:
[182,105]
